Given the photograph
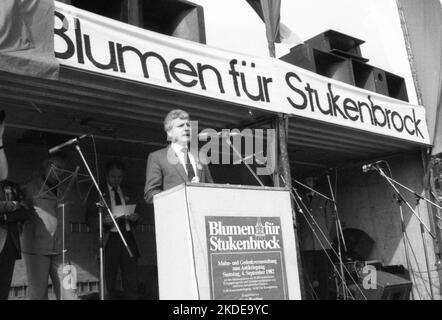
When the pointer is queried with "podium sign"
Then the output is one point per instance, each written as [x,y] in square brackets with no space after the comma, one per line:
[225,242]
[246,258]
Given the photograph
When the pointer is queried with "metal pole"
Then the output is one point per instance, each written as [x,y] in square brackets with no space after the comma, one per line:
[399,201]
[100,221]
[242,160]
[390,181]
[404,238]
[425,252]
[103,204]
[415,194]
[339,235]
[282,128]
[63,250]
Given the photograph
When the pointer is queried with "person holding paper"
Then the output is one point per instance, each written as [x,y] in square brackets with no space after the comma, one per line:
[122,203]
[174,164]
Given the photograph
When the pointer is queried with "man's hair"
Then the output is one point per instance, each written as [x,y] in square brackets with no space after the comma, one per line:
[172,115]
[114,163]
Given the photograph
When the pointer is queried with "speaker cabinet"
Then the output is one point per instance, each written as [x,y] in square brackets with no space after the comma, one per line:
[396,87]
[337,43]
[338,56]
[321,62]
[370,78]
[388,287]
[179,18]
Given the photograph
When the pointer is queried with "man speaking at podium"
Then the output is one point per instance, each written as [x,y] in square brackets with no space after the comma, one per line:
[174,164]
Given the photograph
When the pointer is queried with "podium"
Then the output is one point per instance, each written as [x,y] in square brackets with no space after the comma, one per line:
[225,242]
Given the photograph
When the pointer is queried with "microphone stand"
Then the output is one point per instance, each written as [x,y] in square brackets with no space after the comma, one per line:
[339,234]
[63,250]
[400,201]
[297,199]
[390,182]
[102,205]
[422,224]
[338,226]
[242,160]
[313,190]
[425,250]
[415,194]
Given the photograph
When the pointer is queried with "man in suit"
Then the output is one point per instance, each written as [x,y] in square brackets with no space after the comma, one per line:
[174,164]
[12,212]
[42,240]
[115,253]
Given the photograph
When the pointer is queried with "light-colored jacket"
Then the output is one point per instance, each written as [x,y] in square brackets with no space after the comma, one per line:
[42,233]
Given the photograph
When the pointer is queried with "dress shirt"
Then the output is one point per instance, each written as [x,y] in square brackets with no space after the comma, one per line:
[123,203]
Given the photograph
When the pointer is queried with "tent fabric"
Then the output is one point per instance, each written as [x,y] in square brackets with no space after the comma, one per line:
[276,31]
[27,38]
[423,21]
[14,33]
[269,11]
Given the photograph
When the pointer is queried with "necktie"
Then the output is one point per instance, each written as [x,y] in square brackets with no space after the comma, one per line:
[121,222]
[117,197]
[189,167]
[8,193]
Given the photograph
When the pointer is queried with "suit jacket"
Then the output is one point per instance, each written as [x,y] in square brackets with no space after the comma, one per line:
[92,217]
[164,171]
[42,233]
[14,215]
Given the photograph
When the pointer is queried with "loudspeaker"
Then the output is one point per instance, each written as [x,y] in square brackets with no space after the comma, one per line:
[179,18]
[321,62]
[338,43]
[338,56]
[387,287]
[396,87]
[370,78]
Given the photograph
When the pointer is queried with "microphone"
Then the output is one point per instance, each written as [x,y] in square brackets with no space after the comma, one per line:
[205,135]
[67,143]
[370,166]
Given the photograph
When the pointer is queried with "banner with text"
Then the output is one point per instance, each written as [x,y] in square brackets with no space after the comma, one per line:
[246,258]
[94,43]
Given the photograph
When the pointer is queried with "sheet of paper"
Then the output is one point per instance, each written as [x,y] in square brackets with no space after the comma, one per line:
[124,210]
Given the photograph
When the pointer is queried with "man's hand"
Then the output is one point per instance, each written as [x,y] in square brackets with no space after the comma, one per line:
[133,217]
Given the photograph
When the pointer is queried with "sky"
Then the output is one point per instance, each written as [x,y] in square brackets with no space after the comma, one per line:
[233,25]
